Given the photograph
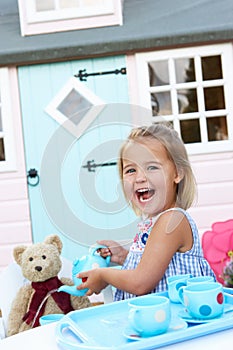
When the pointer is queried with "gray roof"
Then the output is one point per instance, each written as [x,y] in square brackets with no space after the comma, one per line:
[147,24]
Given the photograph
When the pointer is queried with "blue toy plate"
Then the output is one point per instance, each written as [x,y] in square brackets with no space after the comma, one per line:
[177,324]
[106,327]
[228,308]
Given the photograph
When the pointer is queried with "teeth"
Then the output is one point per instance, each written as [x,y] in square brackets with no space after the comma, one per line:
[141,190]
[144,200]
[145,194]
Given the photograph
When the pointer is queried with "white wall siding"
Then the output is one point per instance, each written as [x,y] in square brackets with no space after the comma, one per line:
[214,175]
[15,225]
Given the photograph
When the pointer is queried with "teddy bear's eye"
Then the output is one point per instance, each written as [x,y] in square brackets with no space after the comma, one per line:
[43,257]
[30,259]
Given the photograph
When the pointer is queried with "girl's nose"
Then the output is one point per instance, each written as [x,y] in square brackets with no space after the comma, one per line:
[141,176]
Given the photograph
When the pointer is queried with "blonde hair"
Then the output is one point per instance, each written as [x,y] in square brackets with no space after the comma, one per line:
[169,138]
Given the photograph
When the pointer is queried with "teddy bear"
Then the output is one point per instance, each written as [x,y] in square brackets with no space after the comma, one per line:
[40,264]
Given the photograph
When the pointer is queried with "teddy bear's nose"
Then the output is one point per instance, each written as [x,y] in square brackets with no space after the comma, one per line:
[38,268]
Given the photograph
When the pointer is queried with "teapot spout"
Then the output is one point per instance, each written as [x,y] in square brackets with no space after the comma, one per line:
[72,290]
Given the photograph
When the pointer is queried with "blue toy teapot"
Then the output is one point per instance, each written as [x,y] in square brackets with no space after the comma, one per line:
[86,262]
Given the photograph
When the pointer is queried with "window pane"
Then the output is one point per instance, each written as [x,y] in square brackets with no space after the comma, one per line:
[185,71]
[74,106]
[93,2]
[217,129]
[158,73]
[2,151]
[161,103]
[187,100]
[214,98]
[0,120]
[44,5]
[190,130]
[211,67]
[68,3]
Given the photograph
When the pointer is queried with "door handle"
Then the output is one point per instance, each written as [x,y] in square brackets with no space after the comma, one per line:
[33,178]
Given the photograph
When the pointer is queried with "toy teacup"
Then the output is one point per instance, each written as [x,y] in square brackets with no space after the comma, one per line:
[149,315]
[174,284]
[203,300]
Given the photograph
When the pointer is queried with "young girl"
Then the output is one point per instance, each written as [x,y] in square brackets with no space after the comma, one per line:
[159,183]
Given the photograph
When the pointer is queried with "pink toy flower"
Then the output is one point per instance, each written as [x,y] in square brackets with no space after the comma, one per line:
[217,244]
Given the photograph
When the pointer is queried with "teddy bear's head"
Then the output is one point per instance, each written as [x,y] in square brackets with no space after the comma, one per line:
[40,261]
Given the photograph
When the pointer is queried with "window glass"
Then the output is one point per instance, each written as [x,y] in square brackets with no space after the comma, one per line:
[56,5]
[161,103]
[68,3]
[158,73]
[0,119]
[74,106]
[50,16]
[44,5]
[2,152]
[191,87]
[190,130]
[7,142]
[217,128]
[184,69]
[211,67]
[94,2]
[214,98]
[187,100]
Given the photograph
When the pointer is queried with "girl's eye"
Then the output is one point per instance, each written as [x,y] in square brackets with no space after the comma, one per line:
[129,171]
[152,167]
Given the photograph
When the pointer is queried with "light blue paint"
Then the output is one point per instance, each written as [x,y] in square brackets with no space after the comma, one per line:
[38,86]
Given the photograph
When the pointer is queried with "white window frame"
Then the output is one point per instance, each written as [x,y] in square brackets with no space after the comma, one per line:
[58,20]
[97,105]
[226,51]
[7,133]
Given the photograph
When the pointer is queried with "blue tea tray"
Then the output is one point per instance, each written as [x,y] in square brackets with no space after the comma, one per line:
[106,327]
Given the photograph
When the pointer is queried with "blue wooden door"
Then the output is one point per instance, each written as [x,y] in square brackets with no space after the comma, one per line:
[81,206]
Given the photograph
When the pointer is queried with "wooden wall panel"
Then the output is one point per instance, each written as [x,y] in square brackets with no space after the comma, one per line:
[214,175]
[15,223]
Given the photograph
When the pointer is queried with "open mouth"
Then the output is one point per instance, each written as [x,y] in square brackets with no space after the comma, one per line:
[144,194]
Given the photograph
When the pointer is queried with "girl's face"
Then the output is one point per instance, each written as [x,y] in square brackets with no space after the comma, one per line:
[150,178]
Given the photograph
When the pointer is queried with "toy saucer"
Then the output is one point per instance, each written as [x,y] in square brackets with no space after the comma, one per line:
[176,325]
[50,318]
[226,314]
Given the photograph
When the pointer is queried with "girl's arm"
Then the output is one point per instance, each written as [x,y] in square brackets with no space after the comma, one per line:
[171,233]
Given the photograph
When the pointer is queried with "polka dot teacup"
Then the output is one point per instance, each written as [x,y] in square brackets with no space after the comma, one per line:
[149,315]
[203,300]
[174,283]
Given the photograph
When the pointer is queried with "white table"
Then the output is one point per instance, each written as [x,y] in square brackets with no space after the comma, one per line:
[42,338]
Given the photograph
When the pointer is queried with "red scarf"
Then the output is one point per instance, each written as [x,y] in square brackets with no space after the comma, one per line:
[62,299]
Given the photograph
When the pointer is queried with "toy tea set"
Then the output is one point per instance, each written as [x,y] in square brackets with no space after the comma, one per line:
[86,262]
[149,321]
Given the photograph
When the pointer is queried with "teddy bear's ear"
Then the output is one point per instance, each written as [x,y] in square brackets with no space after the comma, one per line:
[55,240]
[18,252]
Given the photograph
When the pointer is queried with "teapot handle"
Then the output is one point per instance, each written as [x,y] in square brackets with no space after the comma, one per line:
[94,250]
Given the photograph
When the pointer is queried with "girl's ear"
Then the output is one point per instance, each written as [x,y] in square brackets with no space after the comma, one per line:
[179,176]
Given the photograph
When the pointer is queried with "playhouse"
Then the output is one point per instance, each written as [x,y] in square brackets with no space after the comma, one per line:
[74,76]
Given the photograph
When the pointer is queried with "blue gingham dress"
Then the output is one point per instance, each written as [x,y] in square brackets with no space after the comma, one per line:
[191,261]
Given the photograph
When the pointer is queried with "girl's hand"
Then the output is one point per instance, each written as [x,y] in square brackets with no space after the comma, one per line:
[92,280]
[115,250]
